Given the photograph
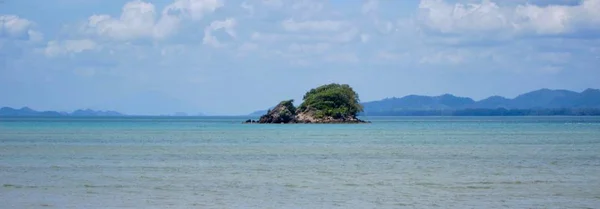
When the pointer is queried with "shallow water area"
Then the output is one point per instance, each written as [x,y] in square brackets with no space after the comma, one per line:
[217,162]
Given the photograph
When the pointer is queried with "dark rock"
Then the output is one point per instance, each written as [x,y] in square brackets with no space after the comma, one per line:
[284,112]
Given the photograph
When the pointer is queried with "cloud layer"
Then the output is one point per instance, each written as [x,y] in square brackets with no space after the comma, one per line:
[195,51]
[525,19]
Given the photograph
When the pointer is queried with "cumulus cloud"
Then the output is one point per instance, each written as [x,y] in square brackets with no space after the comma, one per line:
[12,26]
[55,48]
[487,16]
[462,18]
[227,25]
[559,19]
[139,19]
[194,9]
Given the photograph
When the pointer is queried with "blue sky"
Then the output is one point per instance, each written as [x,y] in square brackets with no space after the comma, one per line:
[230,57]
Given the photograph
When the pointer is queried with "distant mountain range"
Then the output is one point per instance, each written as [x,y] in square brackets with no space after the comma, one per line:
[540,102]
[543,99]
[26,111]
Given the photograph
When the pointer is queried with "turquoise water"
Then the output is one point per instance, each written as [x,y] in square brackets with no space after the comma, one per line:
[217,162]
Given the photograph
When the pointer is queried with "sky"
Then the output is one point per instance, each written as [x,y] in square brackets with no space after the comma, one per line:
[232,57]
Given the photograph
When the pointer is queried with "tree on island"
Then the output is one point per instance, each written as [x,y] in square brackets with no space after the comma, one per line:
[332,100]
[331,103]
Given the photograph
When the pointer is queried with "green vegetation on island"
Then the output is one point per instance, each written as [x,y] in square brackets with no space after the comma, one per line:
[331,103]
[332,100]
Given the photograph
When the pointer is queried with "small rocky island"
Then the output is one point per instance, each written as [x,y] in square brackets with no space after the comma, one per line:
[332,103]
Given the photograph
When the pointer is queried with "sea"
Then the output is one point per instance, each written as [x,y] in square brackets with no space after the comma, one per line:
[218,162]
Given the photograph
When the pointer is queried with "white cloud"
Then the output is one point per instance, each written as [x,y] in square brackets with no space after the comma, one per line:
[487,16]
[228,25]
[55,48]
[322,25]
[139,19]
[194,9]
[462,18]
[12,26]
[559,19]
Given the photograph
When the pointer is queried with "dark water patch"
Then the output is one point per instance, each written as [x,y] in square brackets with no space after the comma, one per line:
[19,186]
[117,186]
[294,186]
[165,188]
[402,204]
[428,184]
[511,182]
[479,187]
[45,205]
[151,178]
[8,185]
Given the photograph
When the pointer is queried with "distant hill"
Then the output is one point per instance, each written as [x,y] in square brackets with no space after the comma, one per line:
[89,112]
[540,102]
[449,104]
[26,111]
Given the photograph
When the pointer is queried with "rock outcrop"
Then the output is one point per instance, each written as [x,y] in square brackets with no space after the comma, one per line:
[284,112]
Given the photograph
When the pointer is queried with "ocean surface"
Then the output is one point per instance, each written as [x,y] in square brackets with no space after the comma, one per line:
[217,162]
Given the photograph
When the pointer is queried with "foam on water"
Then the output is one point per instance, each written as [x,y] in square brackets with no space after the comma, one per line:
[394,162]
